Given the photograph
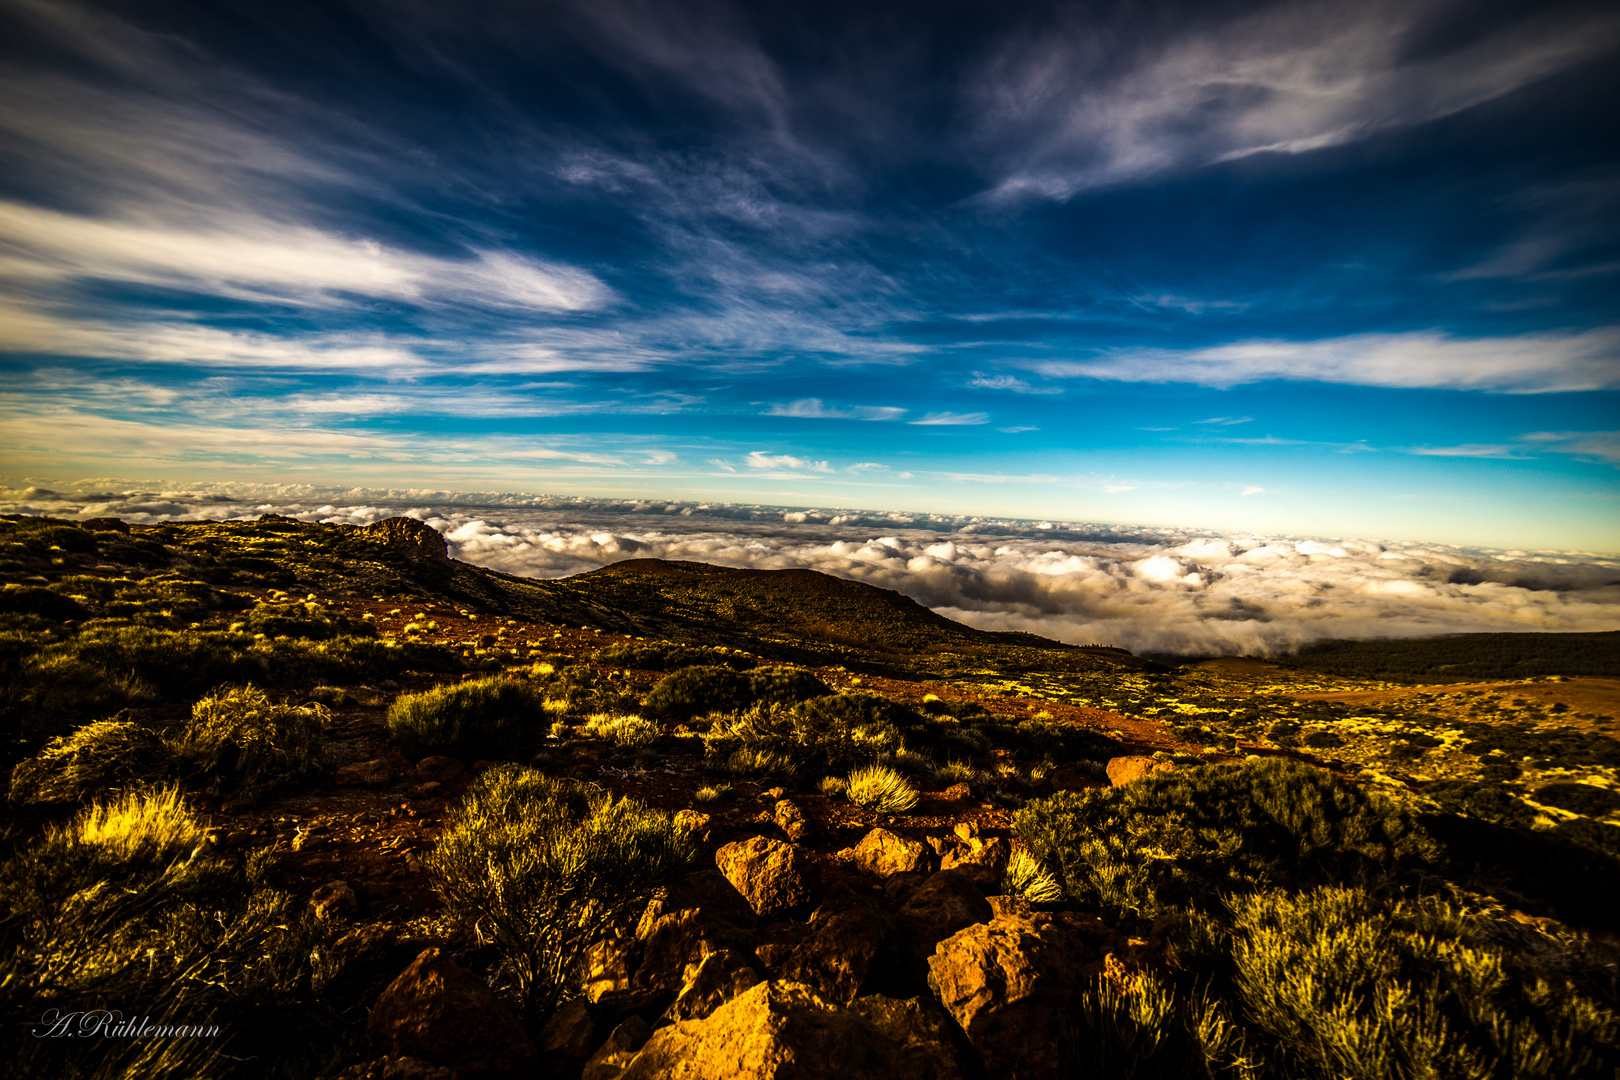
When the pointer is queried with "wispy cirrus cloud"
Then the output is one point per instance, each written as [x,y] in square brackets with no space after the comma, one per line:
[1527,363]
[814,409]
[1076,105]
[952,419]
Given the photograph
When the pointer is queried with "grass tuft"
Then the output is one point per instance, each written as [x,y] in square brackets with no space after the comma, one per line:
[881,790]
[240,740]
[481,718]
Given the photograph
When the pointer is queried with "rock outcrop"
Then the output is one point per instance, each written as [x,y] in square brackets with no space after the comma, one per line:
[883,854]
[774,877]
[775,1031]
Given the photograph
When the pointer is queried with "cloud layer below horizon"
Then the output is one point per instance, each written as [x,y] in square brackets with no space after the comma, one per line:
[1147,590]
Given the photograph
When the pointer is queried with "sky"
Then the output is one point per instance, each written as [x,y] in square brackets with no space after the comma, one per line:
[1315,269]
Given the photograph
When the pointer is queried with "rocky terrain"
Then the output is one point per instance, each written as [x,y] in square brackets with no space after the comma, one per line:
[668,819]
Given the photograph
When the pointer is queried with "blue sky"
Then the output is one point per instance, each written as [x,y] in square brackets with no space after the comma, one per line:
[1317,268]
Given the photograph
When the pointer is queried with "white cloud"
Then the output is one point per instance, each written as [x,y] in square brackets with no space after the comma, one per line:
[813,409]
[1077,106]
[1146,590]
[259,259]
[1528,363]
[1012,383]
[1603,445]
[946,419]
[1253,489]
[759,459]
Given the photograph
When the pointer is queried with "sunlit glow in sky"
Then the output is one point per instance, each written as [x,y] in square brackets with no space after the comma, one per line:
[1326,269]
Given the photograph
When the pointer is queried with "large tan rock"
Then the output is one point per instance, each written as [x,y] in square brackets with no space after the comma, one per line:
[921,1028]
[442,1013]
[1008,983]
[774,877]
[571,1034]
[841,949]
[608,1063]
[775,1031]
[678,940]
[439,769]
[941,906]
[1127,770]
[983,859]
[713,981]
[882,853]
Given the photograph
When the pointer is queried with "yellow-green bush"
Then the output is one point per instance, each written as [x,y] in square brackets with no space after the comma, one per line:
[95,759]
[881,790]
[126,908]
[481,718]
[239,739]
[541,868]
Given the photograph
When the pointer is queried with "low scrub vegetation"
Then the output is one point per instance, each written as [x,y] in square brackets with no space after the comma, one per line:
[125,903]
[693,691]
[544,867]
[625,732]
[239,740]
[1189,836]
[881,790]
[663,656]
[480,718]
[97,758]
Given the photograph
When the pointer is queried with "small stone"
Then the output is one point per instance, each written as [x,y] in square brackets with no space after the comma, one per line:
[773,794]
[958,792]
[882,853]
[334,900]
[791,820]
[439,769]
[365,774]
[967,830]
[695,822]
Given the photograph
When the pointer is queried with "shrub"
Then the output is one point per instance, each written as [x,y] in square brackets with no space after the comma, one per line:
[1133,1025]
[1183,837]
[627,732]
[29,600]
[125,907]
[833,786]
[956,772]
[713,793]
[304,620]
[97,758]
[1579,798]
[702,689]
[663,656]
[785,686]
[482,718]
[544,867]
[806,739]
[240,740]
[1028,877]
[881,790]
[1346,985]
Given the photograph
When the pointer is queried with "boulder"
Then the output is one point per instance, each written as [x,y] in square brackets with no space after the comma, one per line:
[608,966]
[1126,770]
[774,877]
[676,940]
[982,859]
[1008,983]
[921,1028]
[571,1034]
[608,1063]
[332,901]
[775,1031]
[439,769]
[713,981]
[841,949]
[695,822]
[440,1012]
[882,853]
[430,790]
[365,774]
[942,905]
[958,792]
[790,819]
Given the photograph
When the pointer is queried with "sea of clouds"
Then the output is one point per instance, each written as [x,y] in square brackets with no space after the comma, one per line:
[1151,590]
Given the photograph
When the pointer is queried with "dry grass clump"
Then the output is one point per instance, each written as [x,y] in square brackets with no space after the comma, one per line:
[1028,877]
[833,786]
[881,790]
[542,868]
[625,732]
[481,718]
[241,740]
[712,793]
[97,758]
[125,907]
